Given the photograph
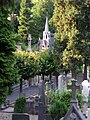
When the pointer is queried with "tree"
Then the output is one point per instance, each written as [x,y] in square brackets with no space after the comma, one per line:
[24,17]
[4,3]
[83,37]
[27,64]
[65,17]
[8,74]
[47,63]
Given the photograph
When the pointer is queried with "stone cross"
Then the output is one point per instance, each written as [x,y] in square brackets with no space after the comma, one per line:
[29,43]
[74,87]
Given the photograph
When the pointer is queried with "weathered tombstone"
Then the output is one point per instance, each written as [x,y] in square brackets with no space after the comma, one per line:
[85,92]
[30,106]
[88,118]
[20,116]
[60,82]
[74,112]
[36,105]
[41,111]
[41,91]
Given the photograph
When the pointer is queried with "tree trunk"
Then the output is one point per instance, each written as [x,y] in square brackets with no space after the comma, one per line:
[74,75]
[43,76]
[0,107]
[29,81]
[20,85]
[85,71]
[50,76]
[57,81]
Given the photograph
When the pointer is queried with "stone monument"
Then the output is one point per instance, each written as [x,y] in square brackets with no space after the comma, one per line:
[60,82]
[85,92]
[74,112]
[20,116]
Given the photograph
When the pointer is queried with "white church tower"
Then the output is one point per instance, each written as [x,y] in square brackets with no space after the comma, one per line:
[48,38]
[46,34]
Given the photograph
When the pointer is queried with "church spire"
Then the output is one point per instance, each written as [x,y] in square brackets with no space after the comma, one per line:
[46,25]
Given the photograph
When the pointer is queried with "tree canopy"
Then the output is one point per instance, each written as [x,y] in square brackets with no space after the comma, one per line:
[8,74]
[70,18]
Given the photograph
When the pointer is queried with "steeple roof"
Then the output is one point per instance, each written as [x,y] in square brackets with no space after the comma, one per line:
[46,25]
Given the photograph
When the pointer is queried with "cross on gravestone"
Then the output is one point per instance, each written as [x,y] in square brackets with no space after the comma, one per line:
[74,87]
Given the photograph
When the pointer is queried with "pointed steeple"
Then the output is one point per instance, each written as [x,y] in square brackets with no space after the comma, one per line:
[46,25]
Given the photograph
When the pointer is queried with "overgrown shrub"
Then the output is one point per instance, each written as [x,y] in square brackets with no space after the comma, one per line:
[57,110]
[63,100]
[19,106]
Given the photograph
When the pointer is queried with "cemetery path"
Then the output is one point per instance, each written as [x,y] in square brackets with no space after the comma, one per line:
[30,91]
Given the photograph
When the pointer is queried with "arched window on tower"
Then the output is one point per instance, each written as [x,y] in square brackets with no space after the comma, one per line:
[46,36]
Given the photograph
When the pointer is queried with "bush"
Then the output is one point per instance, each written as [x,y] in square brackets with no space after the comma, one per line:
[57,110]
[19,106]
[61,103]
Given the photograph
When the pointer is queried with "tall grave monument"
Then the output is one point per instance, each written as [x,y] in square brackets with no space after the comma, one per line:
[74,112]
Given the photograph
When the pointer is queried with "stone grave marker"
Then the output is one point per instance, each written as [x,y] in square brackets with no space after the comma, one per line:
[41,111]
[42,91]
[20,116]
[30,106]
[74,112]
[60,82]
[36,105]
[85,92]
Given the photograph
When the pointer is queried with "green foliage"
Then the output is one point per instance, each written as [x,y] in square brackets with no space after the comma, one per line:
[3,93]
[64,98]
[79,69]
[8,74]
[89,101]
[27,64]
[66,31]
[19,106]
[47,63]
[72,32]
[6,3]
[24,17]
[57,110]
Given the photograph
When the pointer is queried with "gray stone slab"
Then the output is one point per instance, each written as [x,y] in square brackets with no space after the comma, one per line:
[20,116]
[41,111]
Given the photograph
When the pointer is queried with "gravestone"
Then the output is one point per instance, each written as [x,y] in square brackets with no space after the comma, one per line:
[41,111]
[48,86]
[20,116]
[88,118]
[60,82]
[42,107]
[36,105]
[74,112]
[85,90]
[30,106]
[42,91]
